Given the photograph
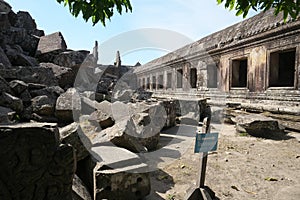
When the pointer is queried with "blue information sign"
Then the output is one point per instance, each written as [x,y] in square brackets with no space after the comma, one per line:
[206,142]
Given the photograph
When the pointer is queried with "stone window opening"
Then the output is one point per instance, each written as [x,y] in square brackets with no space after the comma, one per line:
[193,78]
[212,76]
[154,82]
[148,83]
[239,73]
[169,80]
[144,84]
[179,78]
[161,81]
[282,68]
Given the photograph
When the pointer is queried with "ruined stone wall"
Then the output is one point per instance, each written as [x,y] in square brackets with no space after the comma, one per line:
[256,61]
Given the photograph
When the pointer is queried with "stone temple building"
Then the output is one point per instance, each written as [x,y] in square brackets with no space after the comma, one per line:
[254,63]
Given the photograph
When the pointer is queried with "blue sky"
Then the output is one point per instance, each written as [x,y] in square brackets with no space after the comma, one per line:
[192,19]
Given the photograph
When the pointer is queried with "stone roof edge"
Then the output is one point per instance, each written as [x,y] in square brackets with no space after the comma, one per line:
[202,44]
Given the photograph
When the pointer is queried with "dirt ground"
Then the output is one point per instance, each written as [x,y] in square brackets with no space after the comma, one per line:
[243,167]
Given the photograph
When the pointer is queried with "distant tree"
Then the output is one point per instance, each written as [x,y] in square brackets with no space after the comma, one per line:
[288,7]
[97,10]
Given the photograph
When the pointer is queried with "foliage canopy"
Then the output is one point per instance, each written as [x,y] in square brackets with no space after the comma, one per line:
[288,7]
[102,10]
[97,10]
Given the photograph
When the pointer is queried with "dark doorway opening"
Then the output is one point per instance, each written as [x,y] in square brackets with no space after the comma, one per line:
[193,78]
[282,68]
[169,80]
[239,73]
[161,81]
[179,78]
[212,76]
[154,82]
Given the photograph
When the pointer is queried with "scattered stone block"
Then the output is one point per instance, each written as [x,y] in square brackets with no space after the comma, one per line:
[6,115]
[64,76]
[71,59]
[69,135]
[123,176]
[54,42]
[12,102]
[79,190]
[259,126]
[122,134]
[43,105]
[68,104]
[40,75]
[18,86]
[4,86]
[4,59]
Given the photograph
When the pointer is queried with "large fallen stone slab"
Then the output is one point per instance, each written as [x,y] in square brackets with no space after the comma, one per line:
[54,42]
[149,120]
[4,86]
[34,165]
[122,176]
[122,134]
[12,102]
[18,86]
[41,75]
[71,59]
[70,135]
[291,122]
[259,126]
[52,92]
[79,190]
[68,104]
[64,75]
[170,108]
[43,105]
[6,115]
[4,59]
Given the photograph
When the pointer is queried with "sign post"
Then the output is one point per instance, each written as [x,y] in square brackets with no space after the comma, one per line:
[205,142]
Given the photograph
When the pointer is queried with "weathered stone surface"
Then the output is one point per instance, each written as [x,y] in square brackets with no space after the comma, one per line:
[105,120]
[24,20]
[51,43]
[36,86]
[122,176]
[122,134]
[4,59]
[12,102]
[4,86]
[18,86]
[69,135]
[66,104]
[140,95]
[43,105]
[33,163]
[6,115]
[25,97]
[149,120]
[190,118]
[5,8]
[88,106]
[170,108]
[64,76]
[52,92]
[103,115]
[259,126]
[79,190]
[19,59]
[71,58]
[39,75]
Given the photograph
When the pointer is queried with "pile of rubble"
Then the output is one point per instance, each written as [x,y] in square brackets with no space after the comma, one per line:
[62,115]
